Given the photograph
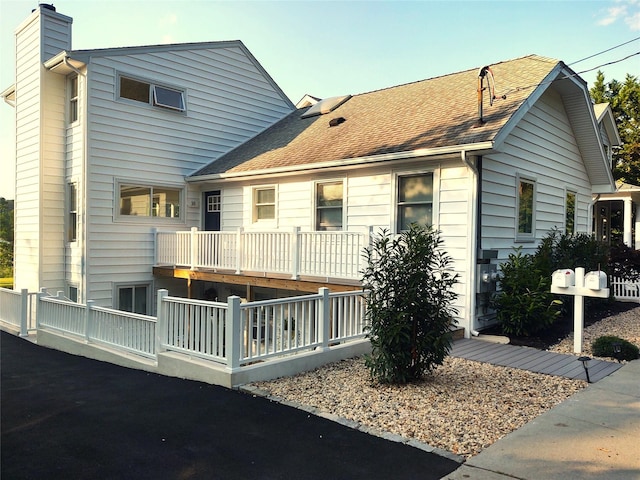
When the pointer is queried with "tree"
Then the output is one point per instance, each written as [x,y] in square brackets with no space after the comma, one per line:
[6,238]
[624,99]
[409,280]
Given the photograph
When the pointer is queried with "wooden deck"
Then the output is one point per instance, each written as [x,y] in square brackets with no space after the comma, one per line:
[531,359]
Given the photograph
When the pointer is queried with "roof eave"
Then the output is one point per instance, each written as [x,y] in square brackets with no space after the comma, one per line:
[475,148]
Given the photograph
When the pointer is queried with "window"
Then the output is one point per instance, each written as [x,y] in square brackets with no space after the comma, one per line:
[143,201]
[264,204]
[72,218]
[526,202]
[415,200]
[73,99]
[133,298]
[149,93]
[73,293]
[329,206]
[570,213]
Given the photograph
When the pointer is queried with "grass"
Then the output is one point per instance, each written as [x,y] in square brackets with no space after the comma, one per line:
[6,282]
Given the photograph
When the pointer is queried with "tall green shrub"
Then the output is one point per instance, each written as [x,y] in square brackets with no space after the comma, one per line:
[524,304]
[410,279]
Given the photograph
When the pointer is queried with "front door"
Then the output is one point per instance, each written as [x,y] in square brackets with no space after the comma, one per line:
[212,211]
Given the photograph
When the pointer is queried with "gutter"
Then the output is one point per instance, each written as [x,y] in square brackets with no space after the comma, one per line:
[472,243]
[371,159]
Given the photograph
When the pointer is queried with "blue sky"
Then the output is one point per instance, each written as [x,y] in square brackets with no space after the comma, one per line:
[329,48]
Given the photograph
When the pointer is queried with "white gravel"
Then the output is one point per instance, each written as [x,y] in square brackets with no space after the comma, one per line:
[462,408]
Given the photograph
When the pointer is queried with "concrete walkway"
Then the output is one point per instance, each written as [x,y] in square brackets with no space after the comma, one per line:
[593,435]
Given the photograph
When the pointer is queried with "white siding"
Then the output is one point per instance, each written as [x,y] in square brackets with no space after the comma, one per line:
[228,101]
[542,147]
[369,202]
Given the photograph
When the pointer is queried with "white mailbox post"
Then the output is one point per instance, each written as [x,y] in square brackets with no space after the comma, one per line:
[568,282]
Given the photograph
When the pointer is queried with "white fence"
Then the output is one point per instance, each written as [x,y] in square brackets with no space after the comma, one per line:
[232,335]
[316,254]
[625,290]
[17,308]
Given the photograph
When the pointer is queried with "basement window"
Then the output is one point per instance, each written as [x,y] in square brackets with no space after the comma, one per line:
[152,94]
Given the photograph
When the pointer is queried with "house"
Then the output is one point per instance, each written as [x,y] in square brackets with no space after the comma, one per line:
[614,216]
[185,167]
[104,140]
[494,158]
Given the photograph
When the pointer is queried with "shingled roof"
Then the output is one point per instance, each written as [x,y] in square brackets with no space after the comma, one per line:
[433,113]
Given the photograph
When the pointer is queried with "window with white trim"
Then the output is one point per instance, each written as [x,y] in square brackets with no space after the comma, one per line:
[264,203]
[149,201]
[72,291]
[329,200]
[526,200]
[570,213]
[152,94]
[414,201]
[72,216]
[73,99]
[133,298]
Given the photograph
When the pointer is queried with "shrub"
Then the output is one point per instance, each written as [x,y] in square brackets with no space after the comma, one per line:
[524,304]
[603,347]
[560,250]
[624,262]
[409,279]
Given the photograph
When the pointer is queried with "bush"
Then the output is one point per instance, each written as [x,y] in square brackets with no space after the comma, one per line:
[409,279]
[524,304]
[603,347]
[560,250]
[624,262]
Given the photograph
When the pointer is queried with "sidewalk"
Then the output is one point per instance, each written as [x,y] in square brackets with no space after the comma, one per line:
[593,435]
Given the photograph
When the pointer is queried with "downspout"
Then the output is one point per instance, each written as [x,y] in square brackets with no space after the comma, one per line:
[472,244]
[594,227]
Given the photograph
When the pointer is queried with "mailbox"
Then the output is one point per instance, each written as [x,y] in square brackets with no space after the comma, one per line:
[563,278]
[595,280]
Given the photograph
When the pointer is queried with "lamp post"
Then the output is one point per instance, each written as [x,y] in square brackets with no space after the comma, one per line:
[584,361]
[617,348]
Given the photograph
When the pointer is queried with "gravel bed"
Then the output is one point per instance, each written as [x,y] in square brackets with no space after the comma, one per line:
[462,407]
[625,325]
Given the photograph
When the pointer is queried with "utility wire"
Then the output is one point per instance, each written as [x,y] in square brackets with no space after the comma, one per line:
[533,85]
[604,51]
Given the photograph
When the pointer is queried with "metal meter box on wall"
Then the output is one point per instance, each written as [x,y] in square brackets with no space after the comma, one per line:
[486,278]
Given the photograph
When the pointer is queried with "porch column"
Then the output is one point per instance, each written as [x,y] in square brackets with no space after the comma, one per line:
[637,239]
[628,210]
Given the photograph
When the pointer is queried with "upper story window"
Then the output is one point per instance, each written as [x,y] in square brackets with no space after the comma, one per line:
[570,213]
[414,201]
[149,201]
[73,99]
[152,94]
[264,203]
[526,209]
[329,199]
[72,218]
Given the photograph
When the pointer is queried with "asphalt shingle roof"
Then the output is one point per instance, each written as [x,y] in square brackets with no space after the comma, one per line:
[436,112]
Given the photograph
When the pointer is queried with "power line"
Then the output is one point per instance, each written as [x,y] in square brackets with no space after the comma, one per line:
[604,51]
[533,85]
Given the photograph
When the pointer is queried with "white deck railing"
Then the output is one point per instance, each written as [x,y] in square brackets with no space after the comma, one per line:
[231,334]
[625,290]
[17,308]
[314,254]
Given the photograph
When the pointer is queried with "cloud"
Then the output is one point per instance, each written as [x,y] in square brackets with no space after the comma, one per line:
[625,10]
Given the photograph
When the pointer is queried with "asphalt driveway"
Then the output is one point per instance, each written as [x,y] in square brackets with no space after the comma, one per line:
[68,417]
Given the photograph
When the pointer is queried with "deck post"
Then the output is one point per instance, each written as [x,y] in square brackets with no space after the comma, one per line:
[295,253]
[194,248]
[239,249]
[88,321]
[324,314]
[161,319]
[24,305]
[41,293]
[233,335]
